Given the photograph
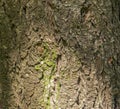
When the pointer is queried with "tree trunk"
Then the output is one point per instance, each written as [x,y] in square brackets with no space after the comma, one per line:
[59,54]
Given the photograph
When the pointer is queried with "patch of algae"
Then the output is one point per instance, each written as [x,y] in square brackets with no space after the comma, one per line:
[48,67]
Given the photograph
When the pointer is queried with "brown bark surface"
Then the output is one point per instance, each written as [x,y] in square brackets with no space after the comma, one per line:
[59,54]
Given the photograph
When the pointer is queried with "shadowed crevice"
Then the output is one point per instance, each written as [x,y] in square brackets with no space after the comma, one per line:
[5,84]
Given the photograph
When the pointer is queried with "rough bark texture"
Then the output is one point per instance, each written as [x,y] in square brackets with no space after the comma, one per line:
[59,54]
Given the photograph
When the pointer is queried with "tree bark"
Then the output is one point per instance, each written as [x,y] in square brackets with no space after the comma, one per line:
[59,54]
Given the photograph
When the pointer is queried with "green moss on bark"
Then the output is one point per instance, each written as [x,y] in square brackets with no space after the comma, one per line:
[47,65]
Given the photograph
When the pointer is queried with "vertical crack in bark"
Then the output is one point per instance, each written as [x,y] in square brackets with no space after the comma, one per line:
[78,80]
[115,102]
